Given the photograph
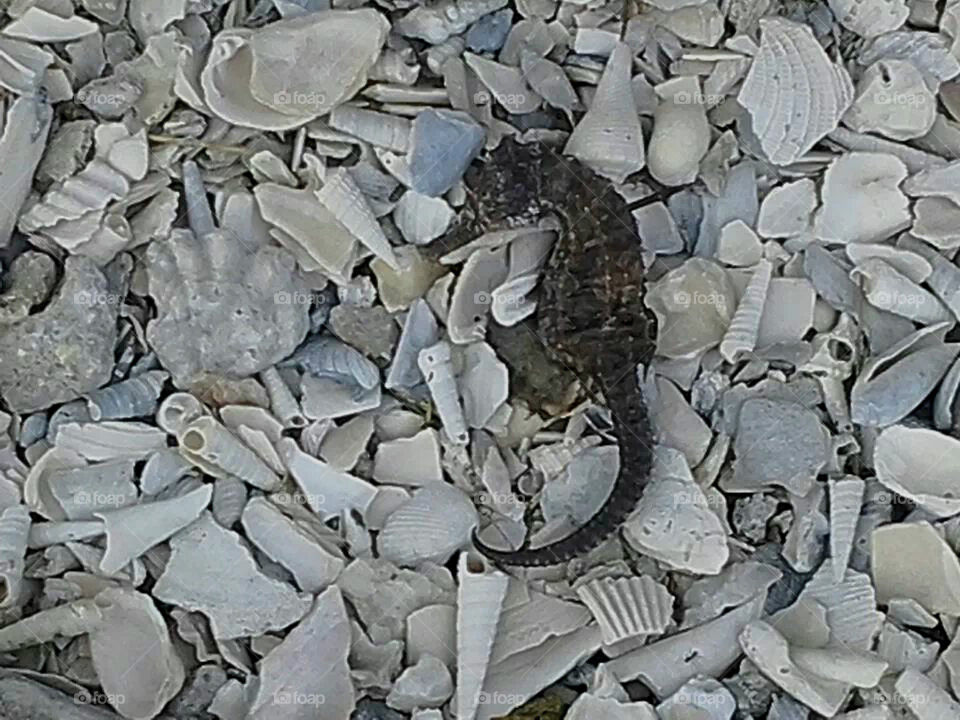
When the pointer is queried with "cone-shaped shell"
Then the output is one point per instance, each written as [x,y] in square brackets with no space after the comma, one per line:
[741,336]
[429,527]
[14,530]
[479,603]
[846,499]
[229,499]
[627,607]
[131,398]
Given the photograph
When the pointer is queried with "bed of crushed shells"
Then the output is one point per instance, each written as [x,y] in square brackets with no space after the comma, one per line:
[250,417]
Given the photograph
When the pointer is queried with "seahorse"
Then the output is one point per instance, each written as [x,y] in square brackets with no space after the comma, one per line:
[590,313]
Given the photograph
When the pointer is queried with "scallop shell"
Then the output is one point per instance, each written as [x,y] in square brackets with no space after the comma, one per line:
[437,367]
[609,138]
[436,522]
[480,595]
[215,450]
[793,92]
[921,465]
[628,606]
[14,531]
[439,21]
[282,401]
[131,398]
[741,336]
[229,499]
[846,499]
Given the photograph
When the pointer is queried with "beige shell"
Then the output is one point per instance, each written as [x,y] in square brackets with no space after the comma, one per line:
[628,606]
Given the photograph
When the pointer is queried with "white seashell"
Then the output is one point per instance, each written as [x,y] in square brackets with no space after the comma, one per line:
[485,269]
[178,410]
[45,534]
[285,542]
[215,450]
[609,138]
[328,491]
[893,383]
[741,336]
[422,219]
[846,499]
[135,397]
[79,492]
[419,332]
[510,302]
[938,182]
[628,606]
[14,532]
[252,417]
[505,83]
[703,697]
[484,384]
[341,196]
[435,23]
[282,401]
[871,18]
[739,245]
[911,560]
[893,101]
[787,123]
[549,81]
[376,128]
[480,595]
[409,461]
[229,499]
[437,367]
[908,263]
[887,289]
[326,398]
[111,440]
[873,206]
[787,209]
[436,522]
[343,446]
[681,133]
[326,356]
[935,220]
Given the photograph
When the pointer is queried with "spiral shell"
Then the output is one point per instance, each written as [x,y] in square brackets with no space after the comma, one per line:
[437,368]
[741,336]
[846,500]
[215,450]
[628,606]
[282,401]
[131,398]
[229,499]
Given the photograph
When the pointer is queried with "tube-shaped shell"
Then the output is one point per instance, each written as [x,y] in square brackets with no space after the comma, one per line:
[177,410]
[282,401]
[627,607]
[14,531]
[343,198]
[429,527]
[326,356]
[215,450]
[229,499]
[480,597]
[609,139]
[741,336]
[131,398]
[846,499]
[437,368]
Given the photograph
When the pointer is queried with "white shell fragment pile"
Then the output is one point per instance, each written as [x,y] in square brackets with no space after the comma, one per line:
[274,360]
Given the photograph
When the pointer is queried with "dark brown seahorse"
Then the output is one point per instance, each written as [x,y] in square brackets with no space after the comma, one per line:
[590,315]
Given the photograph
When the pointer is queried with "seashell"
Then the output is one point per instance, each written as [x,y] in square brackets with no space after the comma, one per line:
[392,66]
[133,530]
[343,446]
[906,262]
[14,531]
[436,364]
[326,356]
[893,101]
[935,220]
[282,401]
[484,384]
[436,23]
[111,440]
[628,606]
[846,499]
[177,411]
[936,182]
[287,543]
[480,594]
[882,395]
[870,19]
[252,417]
[888,289]
[506,84]
[741,336]
[928,51]
[945,279]
[419,332]
[215,450]
[549,81]
[484,270]
[911,560]
[924,698]
[917,463]
[348,206]
[249,80]
[376,128]
[789,125]
[739,245]
[54,533]
[229,499]
[869,182]
[681,133]
[422,219]
[787,209]
[430,527]
[409,460]
[39,25]
[135,397]
[609,138]
[327,491]
[701,696]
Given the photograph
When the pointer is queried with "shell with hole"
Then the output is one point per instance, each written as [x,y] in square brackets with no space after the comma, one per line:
[215,450]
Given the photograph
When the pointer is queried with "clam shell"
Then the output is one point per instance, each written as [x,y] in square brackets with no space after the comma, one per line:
[628,606]
[215,450]
[846,499]
[430,527]
[793,92]
[906,262]
[924,698]
[480,595]
[911,560]
[608,138]
[741,336]
[936,220]
[920,464]
[787,209]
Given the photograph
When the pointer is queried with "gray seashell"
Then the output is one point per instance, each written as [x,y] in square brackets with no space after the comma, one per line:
[627,607]
[945,402]
[419,332]
[681,133]
[505,83]
[436,364]
[379,129]
[327,491]
[284,405]
[485,270]
[872,18]
[741,336]
[179,410]
[704,697]
[609,138]
[928,51]
[110,440]
[918,464]
[327,357]
[215,450]
[131,398]
[436,23]
[945,279]
[906,262]
[484,384]
[787,209]
[924,698]
[422,219]
[549,81]
[846,499]
[788,124]
[436,522]
[229,499]
[937,182]
[893,101]
[894,382]
[935,220]
[164,468]
[889,290]
[14,531]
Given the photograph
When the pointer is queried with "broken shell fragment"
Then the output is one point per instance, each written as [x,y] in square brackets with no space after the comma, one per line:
[892,100]
[681,133]
[432,525]
[627,607]
[919,464]
[436,364]
[911,560]
[846,500]
[14,531]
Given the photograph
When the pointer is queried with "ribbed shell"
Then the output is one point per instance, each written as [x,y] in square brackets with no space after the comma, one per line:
[341,196]
[741,336]
[431,526]
[14,529]
[215,450]
[479,603]
[229,499]
[282,401]
[328,357]
[846,499]
[628,606]
[135,397]
[437,368]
